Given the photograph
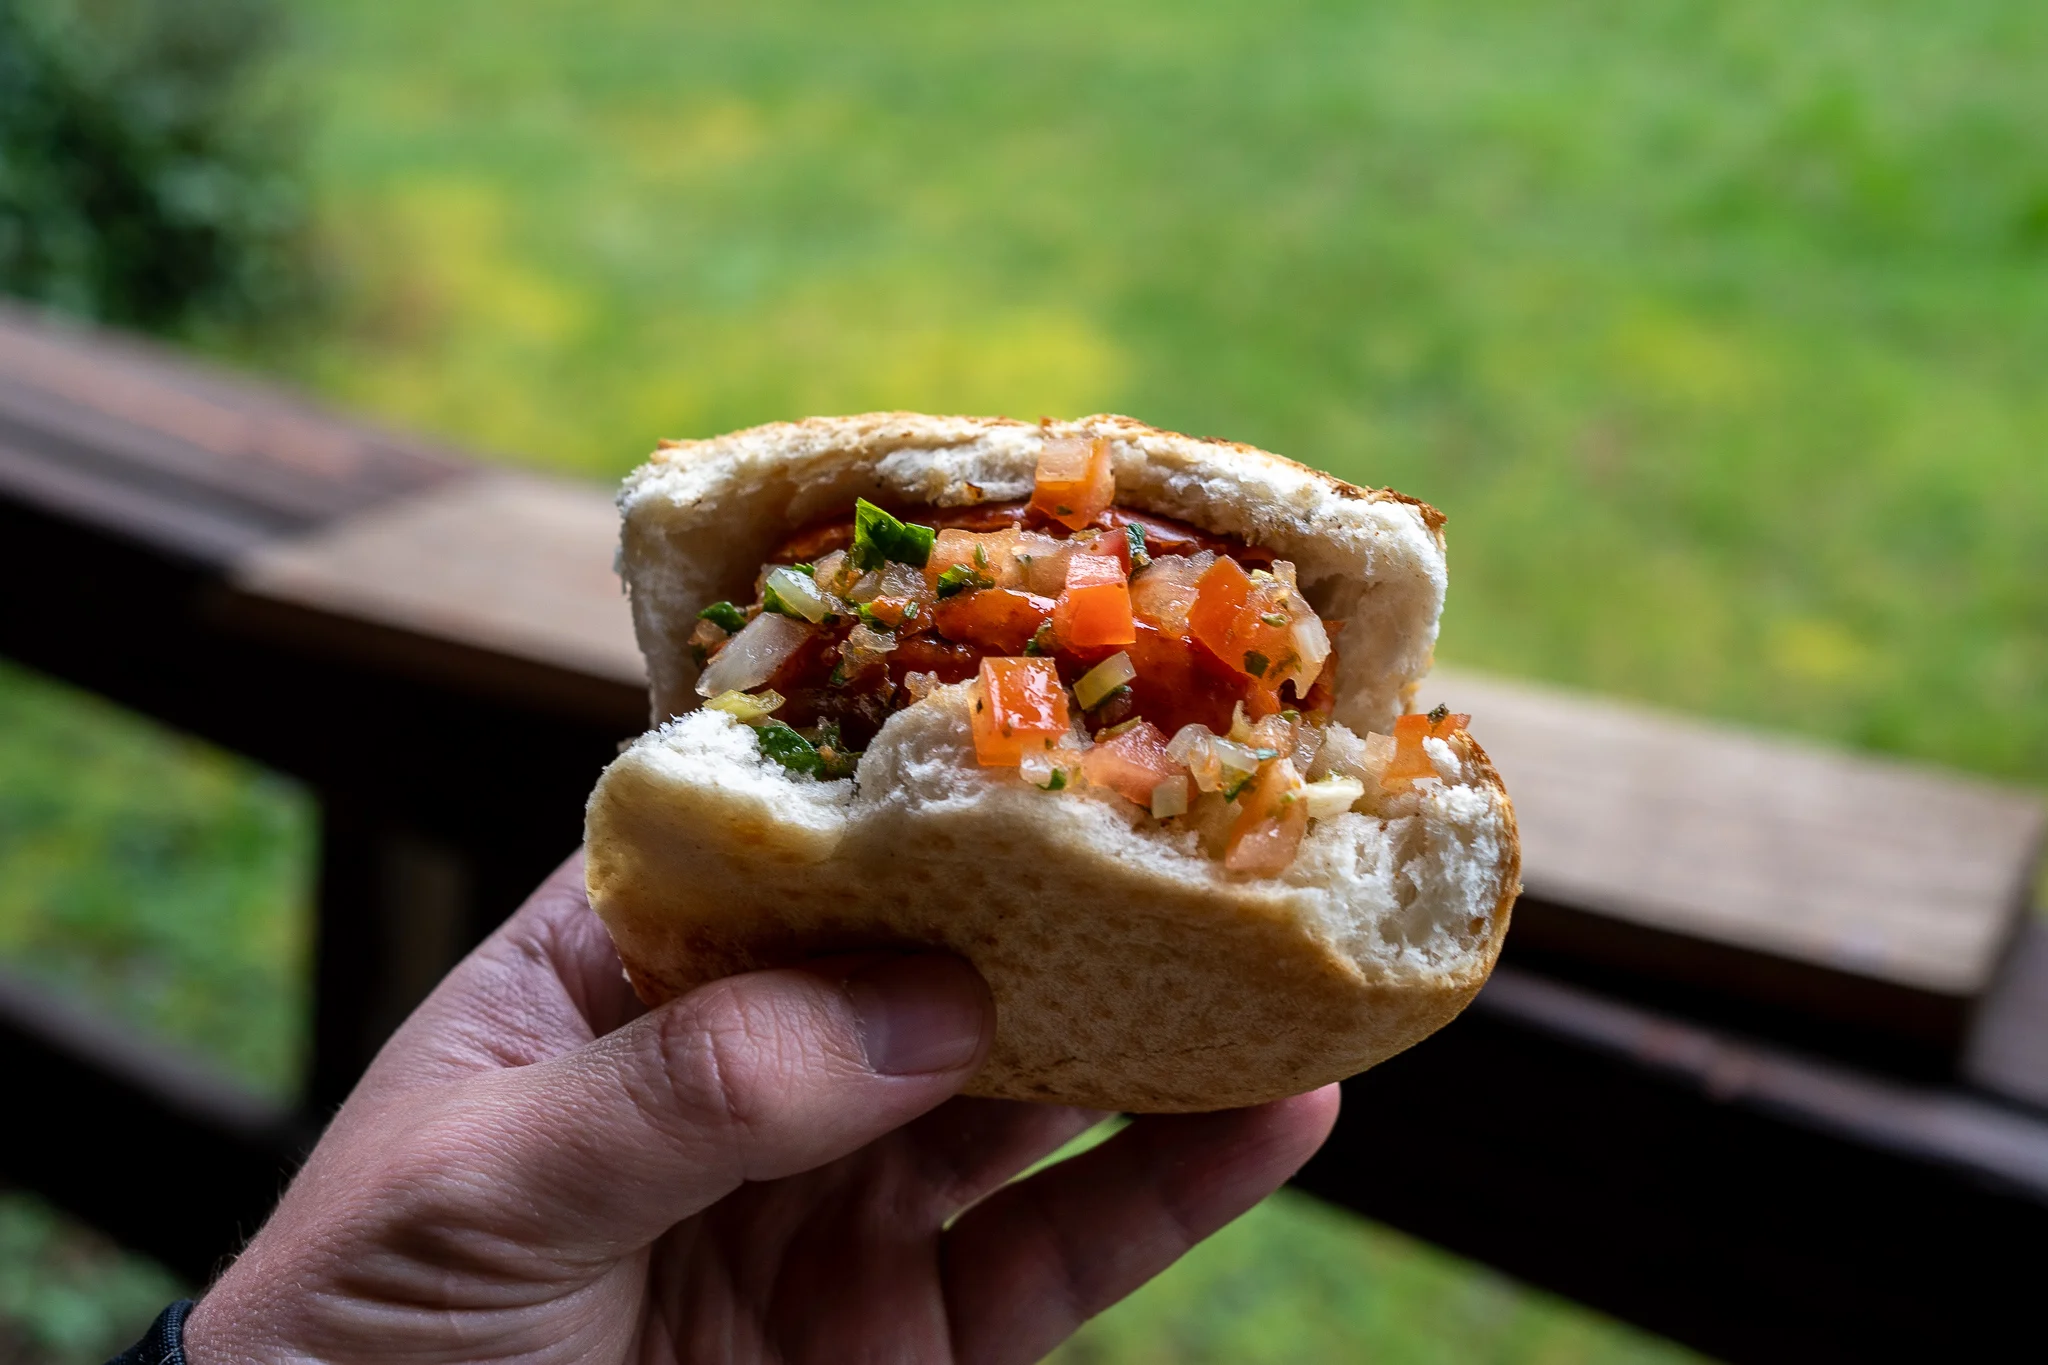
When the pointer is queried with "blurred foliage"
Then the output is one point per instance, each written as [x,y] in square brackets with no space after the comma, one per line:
[1714,325]
[146,164]
[68,1296]
[156,875]
[1295,1280]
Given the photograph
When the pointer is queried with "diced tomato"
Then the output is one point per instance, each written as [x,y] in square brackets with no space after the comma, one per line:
[1095,608]
[1165,593]
[1020,704]
[985,554]
[1075,481]
[994,620]
[1235,618]
[1410,759]
[1271,822]
[1131,764]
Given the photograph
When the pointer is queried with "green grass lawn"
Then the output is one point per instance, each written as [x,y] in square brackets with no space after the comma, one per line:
[1715,328]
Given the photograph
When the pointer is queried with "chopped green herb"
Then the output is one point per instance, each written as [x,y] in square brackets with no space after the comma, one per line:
[1436,717]
[1063,511]
[725,616]
[837,677]
[807,570]
[1230,792]
[1040,639]
[1057,781]
[960,578]
[1140,556]
[1255,663]
[980,555]
[879,537]
[788,748]
[1263,754]
[1274,618]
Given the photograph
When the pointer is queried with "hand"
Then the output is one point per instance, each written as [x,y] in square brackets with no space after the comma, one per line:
[773,1168]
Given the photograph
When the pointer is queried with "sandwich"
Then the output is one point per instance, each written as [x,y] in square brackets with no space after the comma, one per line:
[1121,716]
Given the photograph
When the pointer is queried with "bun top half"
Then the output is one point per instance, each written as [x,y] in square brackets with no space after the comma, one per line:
[700,516]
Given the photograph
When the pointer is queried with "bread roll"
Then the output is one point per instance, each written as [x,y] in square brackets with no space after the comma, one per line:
[1130,971]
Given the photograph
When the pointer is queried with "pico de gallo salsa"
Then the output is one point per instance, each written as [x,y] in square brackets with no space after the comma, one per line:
[1182,671]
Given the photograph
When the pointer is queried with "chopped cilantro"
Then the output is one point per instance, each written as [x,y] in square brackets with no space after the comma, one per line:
[879,538]
[1263,754]
[725,616]
[807,570]
[1140,556]
[960,578]
[1274,618]
[1436,717]
[789,748]
[1040,639]
[980,555]
[1230,792]
[1057,781]
[1255,663]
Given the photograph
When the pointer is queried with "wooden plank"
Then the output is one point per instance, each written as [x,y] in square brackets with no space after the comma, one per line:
[1755,1203]
[161,1153]
[127,436]
[500,583]
[1858,867]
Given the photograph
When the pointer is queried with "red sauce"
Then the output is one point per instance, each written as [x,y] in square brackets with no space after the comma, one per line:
[1179,681]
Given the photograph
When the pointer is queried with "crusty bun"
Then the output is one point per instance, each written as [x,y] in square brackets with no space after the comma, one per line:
[1130,970]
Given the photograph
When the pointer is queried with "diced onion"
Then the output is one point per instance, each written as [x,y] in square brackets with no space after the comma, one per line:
[1234,756]
[1103,679]
[1332,796]
[751,657]
[746,707]
[1312,645]
[864,647]
[799,593]
[1170,798]
[1209,758]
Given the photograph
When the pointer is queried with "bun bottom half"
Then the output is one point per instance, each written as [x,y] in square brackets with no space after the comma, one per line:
[1130,971]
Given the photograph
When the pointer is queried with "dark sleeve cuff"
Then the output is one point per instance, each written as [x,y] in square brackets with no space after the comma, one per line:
[163,1343]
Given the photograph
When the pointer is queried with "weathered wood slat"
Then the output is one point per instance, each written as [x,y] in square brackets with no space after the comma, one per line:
[182,458]
[1875,893]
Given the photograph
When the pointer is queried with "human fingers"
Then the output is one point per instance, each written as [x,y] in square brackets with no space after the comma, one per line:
[966,1148]
[596,1153]
[1041,1257]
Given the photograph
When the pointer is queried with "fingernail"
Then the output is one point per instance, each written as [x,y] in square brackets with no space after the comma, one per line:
[919,1014]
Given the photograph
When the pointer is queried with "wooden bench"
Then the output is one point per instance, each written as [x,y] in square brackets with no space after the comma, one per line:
[1765,1067]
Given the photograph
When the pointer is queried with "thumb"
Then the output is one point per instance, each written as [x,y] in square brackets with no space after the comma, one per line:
[598,1152]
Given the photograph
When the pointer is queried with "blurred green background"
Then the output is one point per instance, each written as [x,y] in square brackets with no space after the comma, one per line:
[1716,328]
